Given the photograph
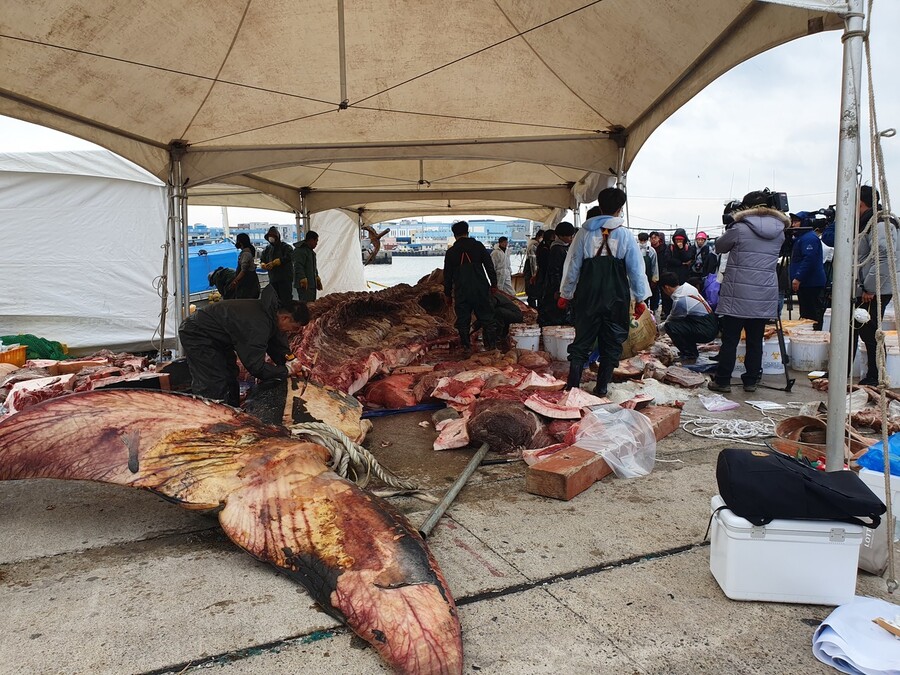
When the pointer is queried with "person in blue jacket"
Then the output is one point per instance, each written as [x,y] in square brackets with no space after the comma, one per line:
[808,270]
[604,270]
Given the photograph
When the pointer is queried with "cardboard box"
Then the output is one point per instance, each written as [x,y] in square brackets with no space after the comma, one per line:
[566,474]
[805,561]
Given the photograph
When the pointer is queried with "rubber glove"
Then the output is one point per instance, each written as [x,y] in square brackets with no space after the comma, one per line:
[265,266]
[304,283]
[639,309]
[318,284]
[295,368]
[562,303]
[274,263]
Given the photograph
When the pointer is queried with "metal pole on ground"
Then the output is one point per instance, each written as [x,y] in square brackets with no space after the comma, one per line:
[845,218]
[444,504]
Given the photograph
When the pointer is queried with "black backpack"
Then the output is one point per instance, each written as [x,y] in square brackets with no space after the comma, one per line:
[762,485]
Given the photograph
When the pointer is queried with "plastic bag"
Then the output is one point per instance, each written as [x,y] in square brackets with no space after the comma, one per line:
[624,438]
[641,335]
[874,457]
[711,290]
[717,403]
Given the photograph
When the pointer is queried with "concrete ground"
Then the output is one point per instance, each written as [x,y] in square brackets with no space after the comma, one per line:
[98,579]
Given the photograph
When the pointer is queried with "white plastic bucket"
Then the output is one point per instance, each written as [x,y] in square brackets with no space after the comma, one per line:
[565,336]
[771,357]
[826,321]
[548,333]
[892,359]
[809,350]
[524,336]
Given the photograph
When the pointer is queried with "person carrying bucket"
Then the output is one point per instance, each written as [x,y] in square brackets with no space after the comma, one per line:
[604,270]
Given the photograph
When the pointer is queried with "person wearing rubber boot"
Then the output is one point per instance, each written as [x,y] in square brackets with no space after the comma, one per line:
[469,280]
[604,270]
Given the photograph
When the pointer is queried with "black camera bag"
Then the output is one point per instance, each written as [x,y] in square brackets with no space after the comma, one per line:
[762,485]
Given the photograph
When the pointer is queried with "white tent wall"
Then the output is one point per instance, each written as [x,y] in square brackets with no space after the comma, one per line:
[338,254]
[83,233]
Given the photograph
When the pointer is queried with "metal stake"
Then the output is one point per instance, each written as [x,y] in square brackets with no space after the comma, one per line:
[444,504]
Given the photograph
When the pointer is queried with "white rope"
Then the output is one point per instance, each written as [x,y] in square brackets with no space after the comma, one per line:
[879,178]
[348,459]
[730,430]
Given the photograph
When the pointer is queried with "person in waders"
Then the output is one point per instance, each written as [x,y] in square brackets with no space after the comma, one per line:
[604,270]
[469,280]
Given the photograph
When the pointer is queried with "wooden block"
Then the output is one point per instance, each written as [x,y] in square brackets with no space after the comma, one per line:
[664,419]
[565,474]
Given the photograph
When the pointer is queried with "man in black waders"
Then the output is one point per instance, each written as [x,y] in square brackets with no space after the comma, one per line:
[603,264]
[467,271]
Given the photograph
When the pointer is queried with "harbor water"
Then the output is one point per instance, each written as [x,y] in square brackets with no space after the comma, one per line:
[409,269]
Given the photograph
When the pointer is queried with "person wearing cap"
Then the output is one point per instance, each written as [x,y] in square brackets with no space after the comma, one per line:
[277,260]
[873,253]
[807,270]
[306,269]
[548,312]
[705,263]
[221,278]
[469,282]
[749,294]
[249,328]
[502,266]
[603,273]
[658,244]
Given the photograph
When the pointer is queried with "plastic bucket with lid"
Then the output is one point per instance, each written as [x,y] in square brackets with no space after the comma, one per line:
[524,336]
[892,358]
[771,357]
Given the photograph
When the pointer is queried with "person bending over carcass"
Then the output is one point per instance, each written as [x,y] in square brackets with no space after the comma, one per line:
[691,320]
[252,328]
[603,264]
[469,280]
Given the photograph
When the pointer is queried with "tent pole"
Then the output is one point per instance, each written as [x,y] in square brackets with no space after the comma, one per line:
[298,225]
[178,210]
[845,218]
[620,168]
[168,264]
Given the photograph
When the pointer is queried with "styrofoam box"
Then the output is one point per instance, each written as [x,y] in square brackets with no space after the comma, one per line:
[807,561]
[875,481]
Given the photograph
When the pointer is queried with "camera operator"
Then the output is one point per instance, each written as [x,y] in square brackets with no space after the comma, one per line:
[749,293]
[872,251]
[807,268]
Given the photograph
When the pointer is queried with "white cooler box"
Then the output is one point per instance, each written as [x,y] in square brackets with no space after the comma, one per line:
[807,561]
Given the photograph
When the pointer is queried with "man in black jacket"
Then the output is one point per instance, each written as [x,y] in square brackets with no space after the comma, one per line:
[469,279]
[252,328]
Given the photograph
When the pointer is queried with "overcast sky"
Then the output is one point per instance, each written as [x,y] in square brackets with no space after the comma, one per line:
[770,122]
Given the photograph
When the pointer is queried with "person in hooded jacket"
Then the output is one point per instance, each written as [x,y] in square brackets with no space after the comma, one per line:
[306,267]
[531,267]
[278,260]
[749,294]
[548,312]
[604,270]
[246,282]
[251,327]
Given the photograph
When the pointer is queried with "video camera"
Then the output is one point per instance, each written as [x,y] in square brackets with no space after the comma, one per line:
[765,197]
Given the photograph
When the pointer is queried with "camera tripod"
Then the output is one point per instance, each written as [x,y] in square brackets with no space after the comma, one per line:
[785,360]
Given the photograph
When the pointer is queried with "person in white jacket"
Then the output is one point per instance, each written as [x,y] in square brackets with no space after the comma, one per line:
[603,273]
[502,266]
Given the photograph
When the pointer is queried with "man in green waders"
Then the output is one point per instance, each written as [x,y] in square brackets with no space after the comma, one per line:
[469,280]
[604,270]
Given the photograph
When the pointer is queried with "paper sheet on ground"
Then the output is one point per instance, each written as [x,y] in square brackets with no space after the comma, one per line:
[849,641]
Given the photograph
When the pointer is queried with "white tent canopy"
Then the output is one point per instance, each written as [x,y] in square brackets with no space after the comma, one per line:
[83,234]
[369,106]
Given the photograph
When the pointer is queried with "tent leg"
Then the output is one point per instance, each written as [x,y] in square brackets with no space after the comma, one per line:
[845,217]
[178,217]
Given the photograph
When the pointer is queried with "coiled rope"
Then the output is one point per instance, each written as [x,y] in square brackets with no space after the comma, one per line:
[729,430]
[349,459]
